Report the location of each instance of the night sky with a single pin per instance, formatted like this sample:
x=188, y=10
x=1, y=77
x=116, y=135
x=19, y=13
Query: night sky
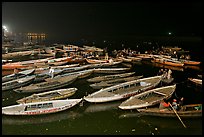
x=76, y=20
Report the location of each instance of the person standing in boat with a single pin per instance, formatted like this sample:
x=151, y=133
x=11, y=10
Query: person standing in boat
x=51, y=72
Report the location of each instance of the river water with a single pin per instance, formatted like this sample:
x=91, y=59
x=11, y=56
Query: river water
x=106, y=118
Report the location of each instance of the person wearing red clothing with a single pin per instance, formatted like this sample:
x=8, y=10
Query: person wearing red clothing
x=164, y=105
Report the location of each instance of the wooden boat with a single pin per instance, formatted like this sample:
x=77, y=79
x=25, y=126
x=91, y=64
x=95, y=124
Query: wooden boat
x=123, y=90
x=16, y=54
x=49, y=95
x=104, y=84
x=129, y=60
x=45, y=69
x=167, y=66
x=53, y=84
x=95, y=61
x=196, y=81
x=134, y=58
x=73, y=69
x=38, y=108
x=98, y=65
x=79, y=74
x=13, y=66
x=109, y=77
x=169, y=62
x=44, y=75
x=190, y=62
x=127, y=65
x=188, y=111
x=17, y=83
x=20, y=74
x=57, y=63
x=148, y=98
x=110, y=70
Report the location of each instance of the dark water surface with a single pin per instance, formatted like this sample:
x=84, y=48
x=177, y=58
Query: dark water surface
x=106, y=118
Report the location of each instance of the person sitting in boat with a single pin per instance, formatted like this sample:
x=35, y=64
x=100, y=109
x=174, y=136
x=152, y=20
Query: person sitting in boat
x=160, y=72
x=15, y=71
x=169, y=74
x=165, y=73
x=174, y=104
x=163, y=105
x=111, y=61
x=180, y=103
x=51, y=72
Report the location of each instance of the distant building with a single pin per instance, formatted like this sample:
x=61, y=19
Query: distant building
x=36, y=38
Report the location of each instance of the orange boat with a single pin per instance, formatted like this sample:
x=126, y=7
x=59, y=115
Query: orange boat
x=191, y=63
x=13, y=66
x=168, y=62
x=176, y=64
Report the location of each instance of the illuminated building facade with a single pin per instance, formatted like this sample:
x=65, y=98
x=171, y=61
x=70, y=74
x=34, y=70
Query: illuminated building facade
x=36, y=37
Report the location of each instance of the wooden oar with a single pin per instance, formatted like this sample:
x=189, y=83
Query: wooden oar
x=178, y=116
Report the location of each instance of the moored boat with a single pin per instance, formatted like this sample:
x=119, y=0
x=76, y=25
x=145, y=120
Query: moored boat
x=187, y=111
x=196, y=81
x=109, y=77
x=17, y=83
x=49, y=95
x=52, y=84
x=123, y=90
x=20, y=74
x=148, y=98
x=104, y=84
x=38, y=108
x=110, y=70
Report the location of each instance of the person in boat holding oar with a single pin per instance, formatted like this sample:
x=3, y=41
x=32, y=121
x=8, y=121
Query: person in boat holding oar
x=175, y=104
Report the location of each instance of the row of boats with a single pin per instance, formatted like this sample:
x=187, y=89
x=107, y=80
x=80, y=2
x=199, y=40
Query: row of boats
x=137, y=90
x=140, y=92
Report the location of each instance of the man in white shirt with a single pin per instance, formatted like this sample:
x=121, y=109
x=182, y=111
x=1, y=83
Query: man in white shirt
x=51, y=72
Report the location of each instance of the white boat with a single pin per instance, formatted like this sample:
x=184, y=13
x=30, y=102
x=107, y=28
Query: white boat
x=39, y=108
x=109, y=77
x=55, y=83
x=196, y=81
x=20, y=74
x=79, y=74
x=123, y=90
x=104, y=84
x=148, y=98
x=110, y=70
x=17, y=83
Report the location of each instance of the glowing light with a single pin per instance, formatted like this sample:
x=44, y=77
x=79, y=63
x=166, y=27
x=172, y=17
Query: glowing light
x=169, y=33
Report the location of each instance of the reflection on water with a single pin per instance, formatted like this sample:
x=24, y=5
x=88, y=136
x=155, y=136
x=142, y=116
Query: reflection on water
x=102, y=107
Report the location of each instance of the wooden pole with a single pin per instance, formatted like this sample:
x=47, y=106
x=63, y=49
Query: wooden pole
x=178, y=116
